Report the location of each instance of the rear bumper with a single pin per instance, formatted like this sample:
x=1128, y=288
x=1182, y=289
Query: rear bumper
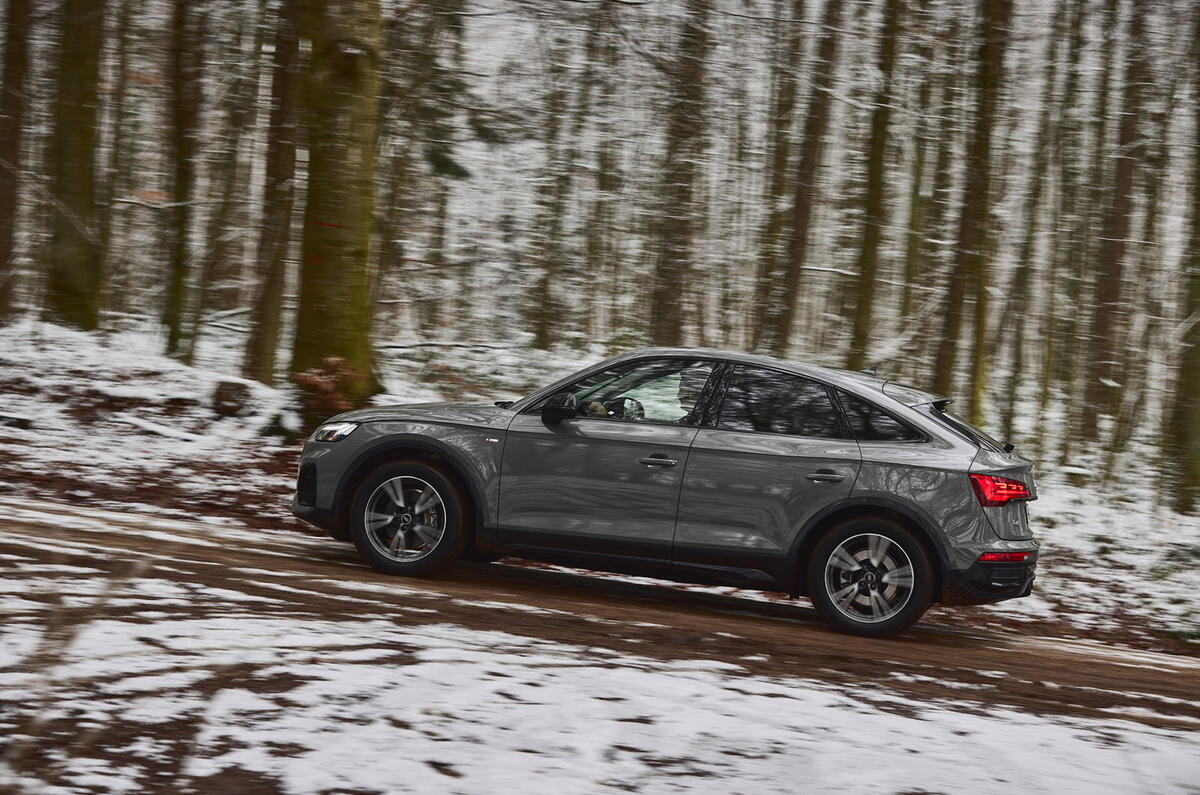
x=988, y=582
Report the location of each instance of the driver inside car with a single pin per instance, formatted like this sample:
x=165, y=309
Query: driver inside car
x=691, y=384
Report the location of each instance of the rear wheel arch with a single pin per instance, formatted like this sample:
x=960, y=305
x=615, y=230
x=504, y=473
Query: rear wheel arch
x=409, y=450
x=808, y=538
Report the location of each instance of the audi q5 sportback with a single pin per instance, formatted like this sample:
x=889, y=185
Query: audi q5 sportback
x=870, y=498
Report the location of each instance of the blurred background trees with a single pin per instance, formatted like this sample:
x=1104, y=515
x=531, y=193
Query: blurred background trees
x=993, y=199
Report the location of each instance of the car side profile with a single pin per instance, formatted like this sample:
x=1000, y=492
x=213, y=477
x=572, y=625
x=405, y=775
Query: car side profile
x=872, y=499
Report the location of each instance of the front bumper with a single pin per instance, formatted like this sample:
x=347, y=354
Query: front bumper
x=989, y=582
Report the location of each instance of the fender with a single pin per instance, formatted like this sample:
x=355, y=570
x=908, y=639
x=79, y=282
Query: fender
x=398, y=442
x=869, y=500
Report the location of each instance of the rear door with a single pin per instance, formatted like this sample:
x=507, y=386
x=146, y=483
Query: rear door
x=608, y=480
x=777, y=452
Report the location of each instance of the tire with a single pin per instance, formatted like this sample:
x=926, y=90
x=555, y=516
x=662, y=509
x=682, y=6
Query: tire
x=408, y=518
x=857, y=577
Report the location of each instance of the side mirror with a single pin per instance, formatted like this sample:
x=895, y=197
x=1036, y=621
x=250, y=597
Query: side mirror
x=559, y=407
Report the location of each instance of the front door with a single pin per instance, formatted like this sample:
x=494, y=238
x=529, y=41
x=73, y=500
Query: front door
x=606, y=481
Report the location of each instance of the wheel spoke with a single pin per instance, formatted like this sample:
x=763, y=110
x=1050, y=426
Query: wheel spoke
x=398, y=544
x=878, y=606
x=395, y=491
x=426, y=501
x=843, y=560
x=377, y=520
x=902, y=577
x=430, y=535
x=846, y=595
x=878, y=547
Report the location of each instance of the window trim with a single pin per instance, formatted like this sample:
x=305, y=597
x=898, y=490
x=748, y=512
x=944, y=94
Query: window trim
x=727, y=379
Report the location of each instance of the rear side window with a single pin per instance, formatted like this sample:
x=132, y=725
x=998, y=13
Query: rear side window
x=870, y=423
x=767, y=401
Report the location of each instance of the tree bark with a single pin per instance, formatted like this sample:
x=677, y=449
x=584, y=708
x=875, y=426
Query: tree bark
x=278, y=197
x=914, y=247
x=1014, y=318
x=1103, y=370
x=220, y=262
x=780, y=314
x=12, y=116
x=75, y=267
x=680, y=174
x=769, y=284
x=554, y=185
x=1184, y=433
x=970, y=266
x=342, y=113
x=868, y=259
x=185, y=84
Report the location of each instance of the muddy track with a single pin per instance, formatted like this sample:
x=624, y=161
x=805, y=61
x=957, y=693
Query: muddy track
x=315, y=578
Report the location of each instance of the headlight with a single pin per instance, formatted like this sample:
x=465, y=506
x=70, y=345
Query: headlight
x=334, y=431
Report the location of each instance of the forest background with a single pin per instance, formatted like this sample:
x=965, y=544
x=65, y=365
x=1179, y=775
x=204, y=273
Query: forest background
x=996, y=200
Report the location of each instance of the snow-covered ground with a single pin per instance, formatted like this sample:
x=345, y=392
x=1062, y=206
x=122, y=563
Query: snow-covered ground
x=128, y=670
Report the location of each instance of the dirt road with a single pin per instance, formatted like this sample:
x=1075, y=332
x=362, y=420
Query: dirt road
x=70, y=573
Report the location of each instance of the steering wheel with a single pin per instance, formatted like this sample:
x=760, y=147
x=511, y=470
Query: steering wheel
x=625, y=408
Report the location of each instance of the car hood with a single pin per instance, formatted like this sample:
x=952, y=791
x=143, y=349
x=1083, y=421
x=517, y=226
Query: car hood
x=455, y=413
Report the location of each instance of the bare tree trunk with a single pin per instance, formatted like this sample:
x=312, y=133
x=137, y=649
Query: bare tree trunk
x=777, y=326
x=185, y=83
x=1014, y=317
x=278, y=196
x=680, y=174
x=552, y=198
x=116, y=162
x=970, y=266
x=1102, y=371
x=12, y=117
x=1080, y=278
x=914, y=247
x=785, y=63
x=75, y=260
x=868, y=259
x=1057, y=333
x=1183, y=435
x=342, y=114
x=240, y=103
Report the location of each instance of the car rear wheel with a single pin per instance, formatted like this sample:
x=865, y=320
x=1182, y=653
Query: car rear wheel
x=407, y=518
x=870, y=576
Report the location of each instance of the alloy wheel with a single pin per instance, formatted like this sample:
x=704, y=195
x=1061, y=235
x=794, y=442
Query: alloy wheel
x=869, y=578
x=405, y=518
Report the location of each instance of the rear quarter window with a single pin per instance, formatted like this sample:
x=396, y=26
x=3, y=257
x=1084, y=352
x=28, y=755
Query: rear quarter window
x=870, y=423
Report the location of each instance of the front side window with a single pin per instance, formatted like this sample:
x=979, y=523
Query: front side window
x=768, y=401
x=654, y=390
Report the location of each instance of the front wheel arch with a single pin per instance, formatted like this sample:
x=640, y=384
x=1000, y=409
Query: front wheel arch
x=408, y=450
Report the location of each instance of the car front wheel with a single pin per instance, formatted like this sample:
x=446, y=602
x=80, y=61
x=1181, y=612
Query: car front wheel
x=870, y=576
x=407, y=518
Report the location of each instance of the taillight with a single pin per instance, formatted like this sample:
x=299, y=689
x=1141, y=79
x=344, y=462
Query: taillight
x=994, y=491
x=1006, y=557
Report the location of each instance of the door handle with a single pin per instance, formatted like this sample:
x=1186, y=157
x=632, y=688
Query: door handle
x=658, y=461
x=825, y=476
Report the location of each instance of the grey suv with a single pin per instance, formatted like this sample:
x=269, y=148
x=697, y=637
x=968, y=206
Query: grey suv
x=870, y=498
